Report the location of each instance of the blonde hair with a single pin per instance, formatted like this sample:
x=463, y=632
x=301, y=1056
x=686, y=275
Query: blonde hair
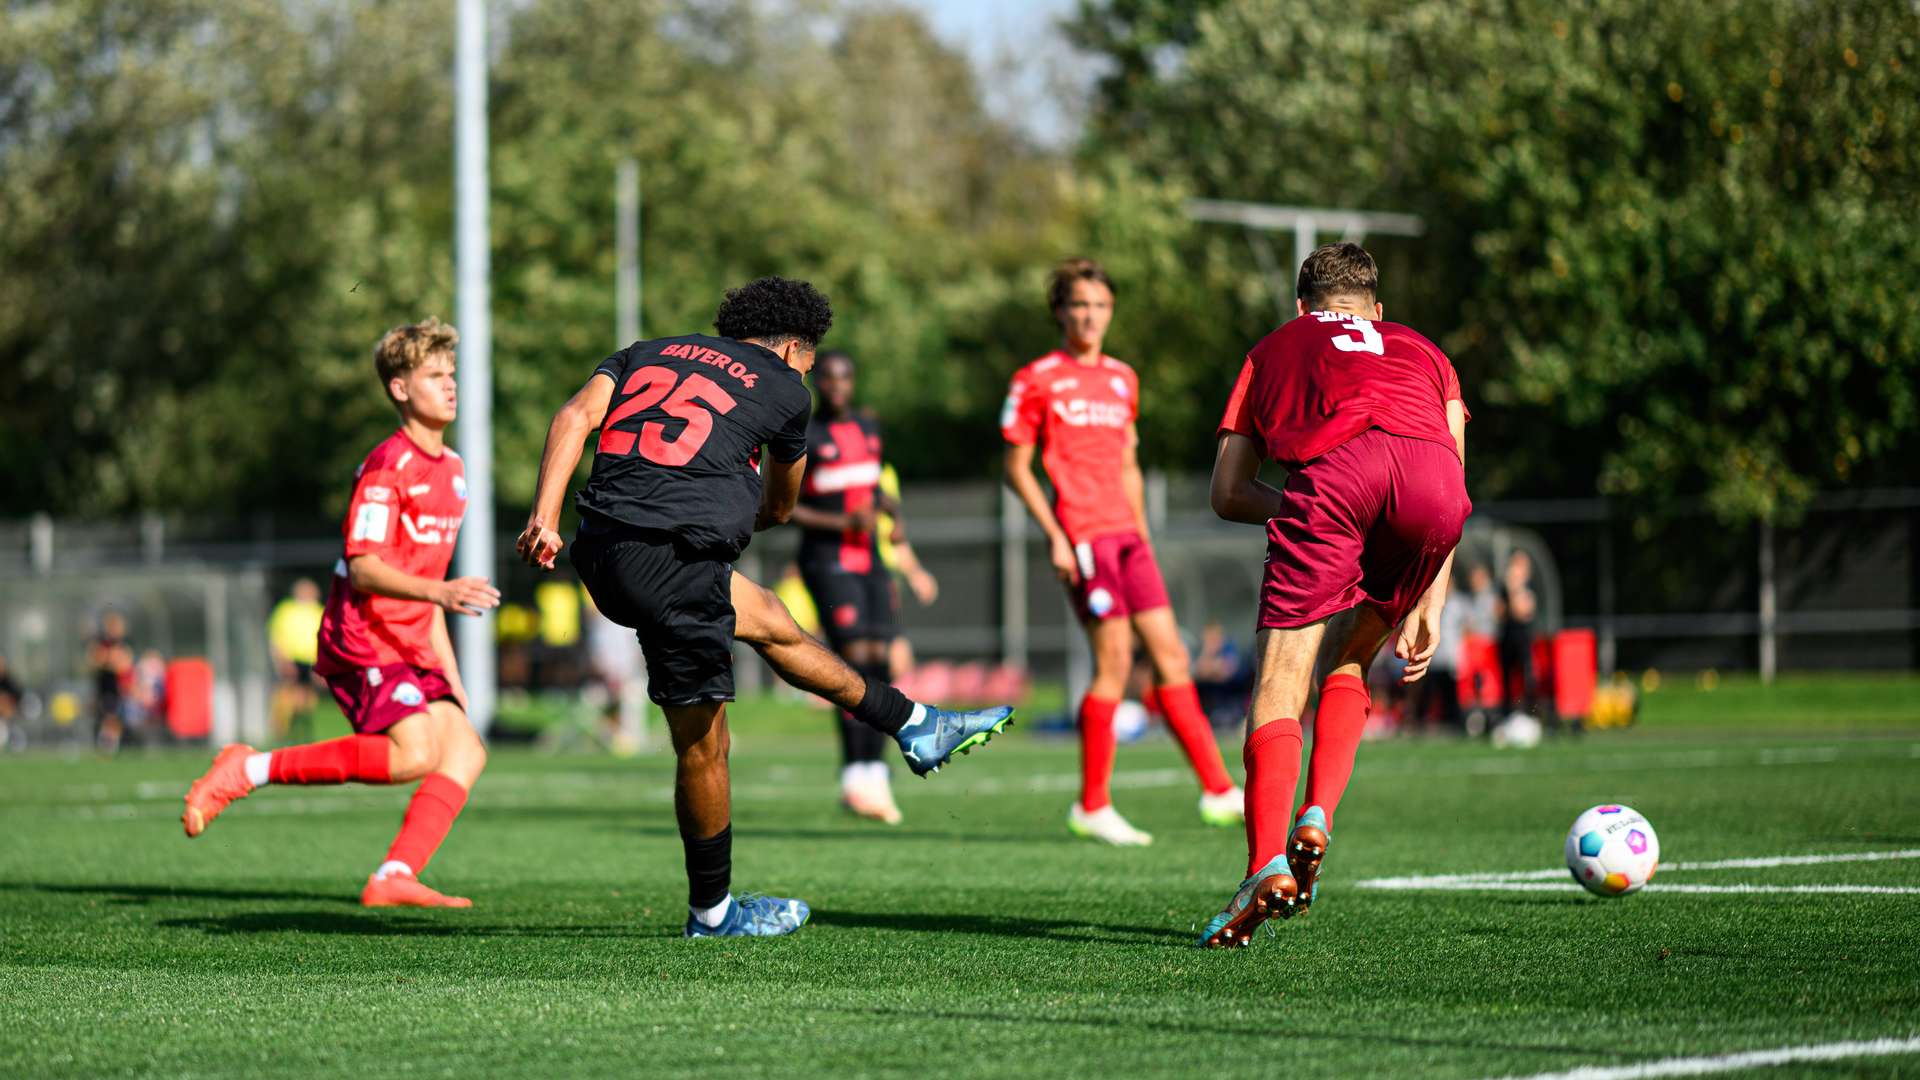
x=404, y=348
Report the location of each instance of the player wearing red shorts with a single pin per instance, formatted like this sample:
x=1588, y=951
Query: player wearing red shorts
x=1079, y=405
x=1368, y=418
x=384, y=648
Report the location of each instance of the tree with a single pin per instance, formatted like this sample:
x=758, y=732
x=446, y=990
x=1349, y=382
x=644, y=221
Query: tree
x=1665, y=240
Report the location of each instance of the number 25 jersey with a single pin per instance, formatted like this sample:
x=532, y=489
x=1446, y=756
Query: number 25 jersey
x=679, y=450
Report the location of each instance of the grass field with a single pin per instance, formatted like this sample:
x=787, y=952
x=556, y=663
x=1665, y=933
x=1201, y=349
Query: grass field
x=977, y=939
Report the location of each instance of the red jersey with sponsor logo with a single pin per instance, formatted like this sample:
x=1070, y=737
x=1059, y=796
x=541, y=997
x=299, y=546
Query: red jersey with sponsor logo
x=1327, y=376
x=1080, y=414
x=406, y=508
x=843, y=475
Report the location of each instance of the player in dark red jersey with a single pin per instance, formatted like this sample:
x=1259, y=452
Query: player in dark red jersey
x=384, y=648
x=1368, y=417
x=840, y=504
x=677, y=491
x=1079, y=405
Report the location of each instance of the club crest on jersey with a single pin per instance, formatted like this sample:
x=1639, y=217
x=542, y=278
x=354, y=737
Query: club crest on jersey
x=460, y=486
x=408, y=694
x=828, y=452
x=1119, y=385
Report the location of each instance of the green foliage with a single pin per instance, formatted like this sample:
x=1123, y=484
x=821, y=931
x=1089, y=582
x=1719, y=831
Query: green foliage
x=1667, y=241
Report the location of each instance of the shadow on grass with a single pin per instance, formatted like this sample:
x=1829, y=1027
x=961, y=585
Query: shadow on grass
x=146, y=894
x=1013, y=926
x=1266, y=1033
x=391, y=924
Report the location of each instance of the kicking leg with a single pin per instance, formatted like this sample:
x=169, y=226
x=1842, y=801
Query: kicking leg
x=927, y=736
x=702, y=805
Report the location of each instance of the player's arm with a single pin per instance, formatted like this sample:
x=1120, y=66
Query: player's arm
x=780, y=492
x=442, y=643
x=1238, y=493
x=812, y=517
x=369, y=573
x=1019, y=476
x=1419, y=636
x=583, y=413
x=1133, y=482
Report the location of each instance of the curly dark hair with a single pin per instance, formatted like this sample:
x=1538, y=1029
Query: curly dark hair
x=774, y=310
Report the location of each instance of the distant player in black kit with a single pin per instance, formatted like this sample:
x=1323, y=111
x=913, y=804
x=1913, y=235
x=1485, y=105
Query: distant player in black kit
x=675, y=494
x=840, y=502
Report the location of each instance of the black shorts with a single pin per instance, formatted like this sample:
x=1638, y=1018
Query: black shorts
x=853, y=607
x=678, y=600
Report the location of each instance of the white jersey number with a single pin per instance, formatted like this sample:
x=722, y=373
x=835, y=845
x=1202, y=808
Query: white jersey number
x=1369, y=339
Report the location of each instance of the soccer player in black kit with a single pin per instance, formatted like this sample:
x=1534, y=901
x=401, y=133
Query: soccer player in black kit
x=677, y=490
x=840, y=502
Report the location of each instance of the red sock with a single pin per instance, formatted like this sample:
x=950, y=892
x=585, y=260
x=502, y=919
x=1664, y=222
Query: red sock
x=358, y=758
x=1337, y=725
x=1096, y=751
x=1189, y=725
x=436, y=802
x=1273, y=768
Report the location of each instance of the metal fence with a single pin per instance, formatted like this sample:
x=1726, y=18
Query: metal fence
x=1839, y=588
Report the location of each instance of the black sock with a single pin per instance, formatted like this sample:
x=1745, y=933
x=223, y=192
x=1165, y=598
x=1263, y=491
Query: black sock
x=884, y=709
x=855, y=737
x=709, y=867
x=875, y=745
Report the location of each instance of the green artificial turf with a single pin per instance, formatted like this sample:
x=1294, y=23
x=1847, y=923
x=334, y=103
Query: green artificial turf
x=977, y=939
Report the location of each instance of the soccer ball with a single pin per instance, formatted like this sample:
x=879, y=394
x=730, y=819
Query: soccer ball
x=1612, y=850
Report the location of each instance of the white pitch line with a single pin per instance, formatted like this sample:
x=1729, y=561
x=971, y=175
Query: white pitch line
x=1532, y=880
x=1752, y=1059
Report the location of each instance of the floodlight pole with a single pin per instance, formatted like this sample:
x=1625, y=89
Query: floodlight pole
x=626, y=286
x=474, y=634
x=1305, y=222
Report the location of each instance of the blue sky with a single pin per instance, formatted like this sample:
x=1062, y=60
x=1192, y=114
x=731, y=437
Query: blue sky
x=1019, y=35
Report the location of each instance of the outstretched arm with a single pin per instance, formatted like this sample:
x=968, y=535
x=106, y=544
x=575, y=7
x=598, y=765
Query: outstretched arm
x=462, y=596
x=1237, y=493
x=540, y=541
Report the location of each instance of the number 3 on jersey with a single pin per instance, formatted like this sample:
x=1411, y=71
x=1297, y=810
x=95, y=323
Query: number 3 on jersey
x=1369, y=339
x=656, y=385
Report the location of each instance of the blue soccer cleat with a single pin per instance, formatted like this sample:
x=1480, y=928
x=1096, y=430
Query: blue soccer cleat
x=755, y=916
x=1306, y=848
x=928, y=743
x=1270, y=892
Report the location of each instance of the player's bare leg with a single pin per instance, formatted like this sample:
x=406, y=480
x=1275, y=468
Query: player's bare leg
x=440, y=749
x=1221, y=801
x=702, y=806
x=927, y=736
x=1093, y=815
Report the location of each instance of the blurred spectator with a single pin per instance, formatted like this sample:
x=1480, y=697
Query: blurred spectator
x=111, y=662
x=1223, y=675
x=1517, y=609
x=293, y=634
x=9, y=706
x=1482, y=615
x=147, y=697
x=1437, y=697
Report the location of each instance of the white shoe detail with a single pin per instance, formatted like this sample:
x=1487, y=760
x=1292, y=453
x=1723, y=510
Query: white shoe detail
x=1106, y=824
x=1229, y=803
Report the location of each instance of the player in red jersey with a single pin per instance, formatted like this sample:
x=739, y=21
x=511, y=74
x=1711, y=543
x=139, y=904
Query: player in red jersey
x=1079, y=405
x=1367, y=416
x=384, y=648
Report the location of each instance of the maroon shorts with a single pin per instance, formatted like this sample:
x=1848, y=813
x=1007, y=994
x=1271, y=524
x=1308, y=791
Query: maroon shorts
x=1118, y=577
x=1369, y=522
x=376, y=698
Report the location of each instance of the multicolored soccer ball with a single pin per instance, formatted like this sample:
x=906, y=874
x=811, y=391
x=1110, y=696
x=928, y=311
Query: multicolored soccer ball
x=1612, y=850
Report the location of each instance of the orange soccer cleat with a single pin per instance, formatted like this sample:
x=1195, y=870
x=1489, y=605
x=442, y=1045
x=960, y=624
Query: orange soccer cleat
x=405, y=890
x=223, y=782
